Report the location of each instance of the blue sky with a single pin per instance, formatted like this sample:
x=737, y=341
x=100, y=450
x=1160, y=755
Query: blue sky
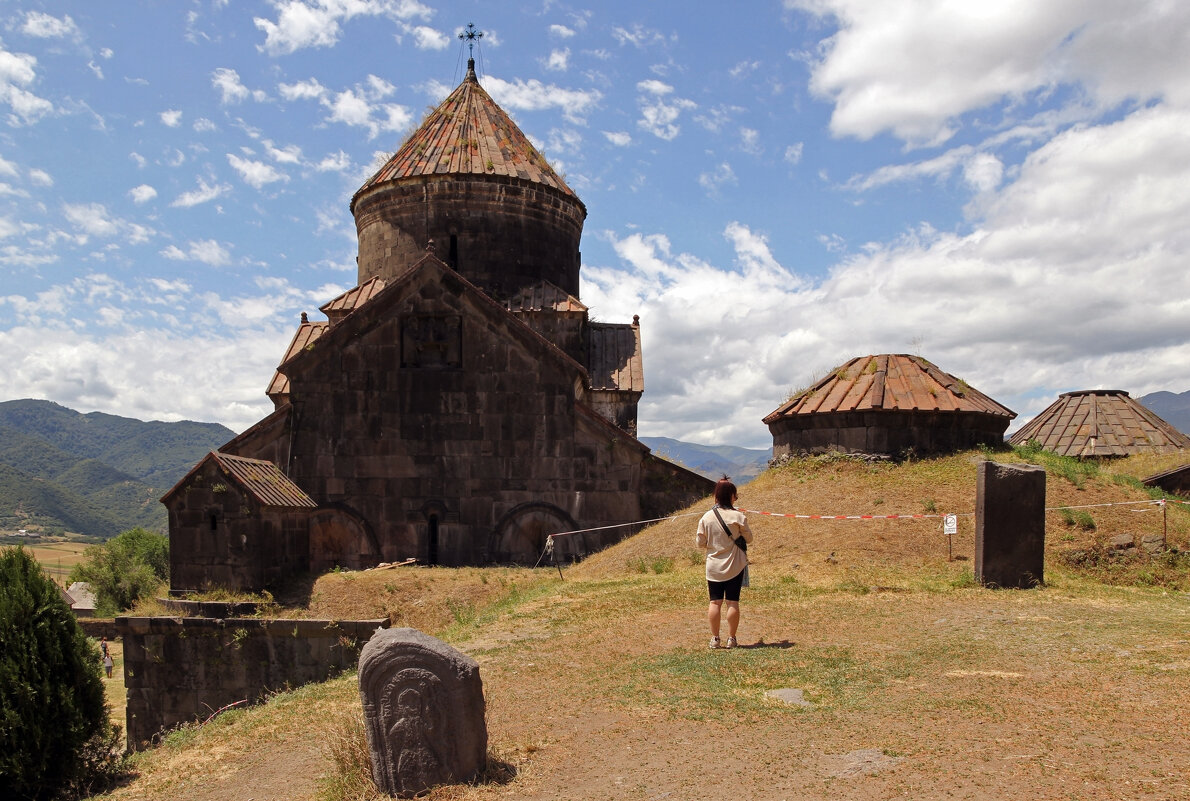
x=775, y=188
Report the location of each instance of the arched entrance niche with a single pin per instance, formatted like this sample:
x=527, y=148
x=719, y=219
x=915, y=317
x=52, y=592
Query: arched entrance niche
x=519, y=537
x=341, y=538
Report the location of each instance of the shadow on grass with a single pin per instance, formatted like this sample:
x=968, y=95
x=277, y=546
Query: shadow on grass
x=777, y=644
x=498, y=771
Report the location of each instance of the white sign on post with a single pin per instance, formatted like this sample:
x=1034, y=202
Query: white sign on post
x=950, y=524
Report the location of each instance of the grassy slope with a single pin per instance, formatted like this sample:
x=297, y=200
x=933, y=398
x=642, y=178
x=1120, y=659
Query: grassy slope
x=982, y=693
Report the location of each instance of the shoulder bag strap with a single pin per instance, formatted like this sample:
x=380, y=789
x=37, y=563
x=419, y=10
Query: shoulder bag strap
x=719, y=517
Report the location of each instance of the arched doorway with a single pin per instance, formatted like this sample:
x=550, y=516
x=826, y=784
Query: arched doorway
x=519, y=537
x=340, y=538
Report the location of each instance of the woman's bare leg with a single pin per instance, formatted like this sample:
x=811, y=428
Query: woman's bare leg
x=733, y=618
x=713, y=617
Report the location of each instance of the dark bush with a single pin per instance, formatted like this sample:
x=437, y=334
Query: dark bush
x=51, y=691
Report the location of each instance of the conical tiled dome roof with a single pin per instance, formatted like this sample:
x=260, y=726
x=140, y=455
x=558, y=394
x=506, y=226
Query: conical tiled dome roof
x=892, y=404
x=1100, y=422
x=468, y=134
x=889, y=382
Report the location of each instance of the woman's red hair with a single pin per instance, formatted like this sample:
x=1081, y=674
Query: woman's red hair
x=725, y=492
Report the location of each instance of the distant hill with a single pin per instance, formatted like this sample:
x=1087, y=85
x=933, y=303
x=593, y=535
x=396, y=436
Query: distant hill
x=1170, y=407
x=713, y=461
x=95, y=474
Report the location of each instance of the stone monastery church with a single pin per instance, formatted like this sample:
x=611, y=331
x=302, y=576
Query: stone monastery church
x=457, y=406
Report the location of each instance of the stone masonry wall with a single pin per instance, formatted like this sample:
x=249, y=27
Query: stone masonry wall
x=508, y=233
x=886, y=432
x=181, y=669
x=456, y=445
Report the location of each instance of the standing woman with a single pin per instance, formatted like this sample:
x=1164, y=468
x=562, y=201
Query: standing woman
x=720, y=532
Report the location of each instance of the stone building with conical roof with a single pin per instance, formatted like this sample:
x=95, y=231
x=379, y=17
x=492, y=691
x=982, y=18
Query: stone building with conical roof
x=458, y=405
x=1100, y=423
x=890, y=404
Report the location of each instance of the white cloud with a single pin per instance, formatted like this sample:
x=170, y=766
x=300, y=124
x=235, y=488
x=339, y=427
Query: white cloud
x=256, y=173
x=655, y=87
x=361, y=106
x=618, y=138
x=43, y=26
x=317, y=23
x=426, y=38
x=91, y=218
x=533, y=95
x=638, y=36
x=982, y=171
x=133, y=372
x=40, y=178
x=207, y=251
x=171, y=118
x=721, y=176
x=561, y=31
x=793, y=153
x=17, y=71
x=750, y=141
x=659, y=116
x=231, y=90
x=881, y=68
x=558, y=60
x=203, y=125
x=290, y=154
x=302, y=90
x=203, y=194
x=142, y=194
x=335, y=162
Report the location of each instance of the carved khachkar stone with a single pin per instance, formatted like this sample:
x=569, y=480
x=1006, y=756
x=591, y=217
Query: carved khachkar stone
x=1010, y=525
x=423, y=712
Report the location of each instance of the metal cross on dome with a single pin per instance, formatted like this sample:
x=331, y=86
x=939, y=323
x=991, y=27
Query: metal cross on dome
x=470, y=35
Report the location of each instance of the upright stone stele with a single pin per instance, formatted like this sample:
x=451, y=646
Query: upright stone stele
x=423, y=712
x=1010, y=525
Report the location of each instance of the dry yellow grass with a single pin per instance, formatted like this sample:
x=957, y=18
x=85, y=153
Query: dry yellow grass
x=599, y=685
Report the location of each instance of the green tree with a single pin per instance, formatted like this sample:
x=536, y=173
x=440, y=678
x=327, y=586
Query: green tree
x=124, y=569
x=52, y=707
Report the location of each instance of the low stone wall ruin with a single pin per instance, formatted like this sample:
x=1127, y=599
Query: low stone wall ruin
x=181, y=669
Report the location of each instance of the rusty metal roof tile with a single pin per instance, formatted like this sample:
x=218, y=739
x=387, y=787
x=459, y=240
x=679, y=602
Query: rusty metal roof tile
x=888, y=382
x=305, y=336
x=615, y=361
x=349, y=301
x=264, y=481
x=544, y=297
x=1100, y=422
x=468, y=134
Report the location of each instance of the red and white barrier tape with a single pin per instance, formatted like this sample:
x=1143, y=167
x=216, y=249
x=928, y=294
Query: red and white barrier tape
x=1158, y=502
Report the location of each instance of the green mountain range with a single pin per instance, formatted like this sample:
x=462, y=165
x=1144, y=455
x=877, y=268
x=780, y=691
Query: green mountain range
x=94, y=474
x=713, y=461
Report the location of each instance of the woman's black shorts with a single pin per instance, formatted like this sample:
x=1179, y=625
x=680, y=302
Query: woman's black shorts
x=726, y=590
